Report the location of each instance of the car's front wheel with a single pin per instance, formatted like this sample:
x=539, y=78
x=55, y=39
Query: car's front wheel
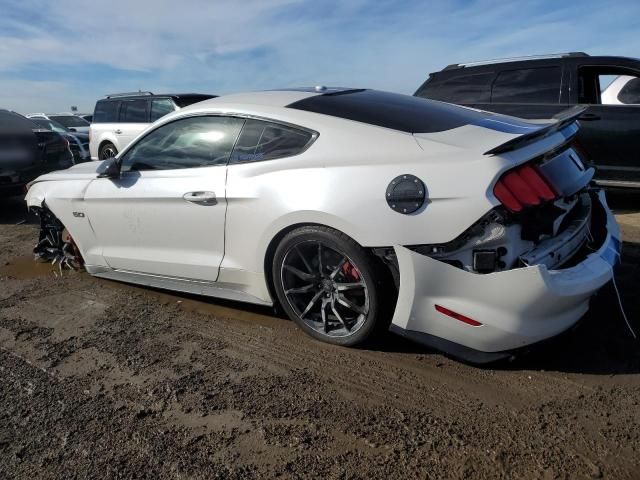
x=107, y=150
x=335, y=290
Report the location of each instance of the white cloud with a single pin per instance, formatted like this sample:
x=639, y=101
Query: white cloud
x=222, y=46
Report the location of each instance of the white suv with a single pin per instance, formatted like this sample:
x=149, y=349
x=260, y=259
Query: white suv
x=119, y=118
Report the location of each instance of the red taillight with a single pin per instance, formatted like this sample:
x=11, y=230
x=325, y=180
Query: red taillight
x=537, y=182
x=507, y=198
x=457, y=316
x=523, y=186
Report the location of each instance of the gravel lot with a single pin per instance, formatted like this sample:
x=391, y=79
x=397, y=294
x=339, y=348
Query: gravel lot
x=104, y=380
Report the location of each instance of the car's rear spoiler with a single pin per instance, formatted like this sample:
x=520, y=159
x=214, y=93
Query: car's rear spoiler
x=563, y=119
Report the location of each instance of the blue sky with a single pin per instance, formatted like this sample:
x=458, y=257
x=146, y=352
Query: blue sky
x=54, y=54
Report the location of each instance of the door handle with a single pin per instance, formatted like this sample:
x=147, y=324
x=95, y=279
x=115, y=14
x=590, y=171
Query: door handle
x=118, y=132
x=589, y=117
x=202, y=198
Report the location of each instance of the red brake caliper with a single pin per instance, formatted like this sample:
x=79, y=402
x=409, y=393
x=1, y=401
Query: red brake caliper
x=350, y=271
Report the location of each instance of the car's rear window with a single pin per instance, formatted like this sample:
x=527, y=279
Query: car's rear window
x=391, y=110
x=13, y=122
x=70, y=120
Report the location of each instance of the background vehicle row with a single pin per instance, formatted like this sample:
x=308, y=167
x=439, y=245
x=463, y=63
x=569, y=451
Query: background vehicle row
x=541, y=87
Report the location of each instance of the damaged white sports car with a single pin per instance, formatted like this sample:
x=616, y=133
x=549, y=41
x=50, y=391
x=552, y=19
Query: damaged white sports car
x=355, y=210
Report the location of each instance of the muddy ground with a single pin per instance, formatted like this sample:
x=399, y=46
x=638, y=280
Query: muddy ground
x=104, y=380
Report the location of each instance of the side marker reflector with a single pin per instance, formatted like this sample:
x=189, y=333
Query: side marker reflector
x=457, y=316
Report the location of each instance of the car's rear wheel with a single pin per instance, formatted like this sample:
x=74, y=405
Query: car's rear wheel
x=107, y=150
x=335, y=290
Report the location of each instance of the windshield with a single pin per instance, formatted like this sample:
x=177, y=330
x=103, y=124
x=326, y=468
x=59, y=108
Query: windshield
x=50, y=125
x=70, y=120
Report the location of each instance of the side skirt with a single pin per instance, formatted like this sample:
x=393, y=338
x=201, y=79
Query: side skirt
x=197, y=287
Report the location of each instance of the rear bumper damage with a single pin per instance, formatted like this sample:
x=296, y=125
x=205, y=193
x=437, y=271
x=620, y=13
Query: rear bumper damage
x=509, y=309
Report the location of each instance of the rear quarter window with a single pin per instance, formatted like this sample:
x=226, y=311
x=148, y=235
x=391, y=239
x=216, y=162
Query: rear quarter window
x=530, y=85
x=261, y=140
x=106, y=111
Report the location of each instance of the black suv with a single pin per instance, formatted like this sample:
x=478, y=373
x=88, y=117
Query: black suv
x=539, y=87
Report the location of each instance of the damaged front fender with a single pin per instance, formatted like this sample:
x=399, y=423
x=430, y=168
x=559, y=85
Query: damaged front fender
x=55, y=244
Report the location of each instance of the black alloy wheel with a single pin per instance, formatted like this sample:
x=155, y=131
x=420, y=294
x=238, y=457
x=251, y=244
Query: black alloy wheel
x=330, y=286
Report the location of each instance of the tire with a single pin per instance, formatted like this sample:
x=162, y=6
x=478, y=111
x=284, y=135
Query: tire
x=107, y=150
x=351, y=285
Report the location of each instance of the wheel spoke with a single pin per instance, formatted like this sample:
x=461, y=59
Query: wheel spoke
x=304, y=260
x=351, y=306
x=335, y=312
x=311, y=303
x=320, y=258
x=299, y=273
x=323, y=312
x=338, y=267
x=349, y=286
x=304, y=289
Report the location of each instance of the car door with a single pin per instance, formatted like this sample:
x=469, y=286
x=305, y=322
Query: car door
x=610, y=133
x=165, y=215
x=134, y=118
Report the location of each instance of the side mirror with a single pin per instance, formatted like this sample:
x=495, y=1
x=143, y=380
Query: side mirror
x=110, y=168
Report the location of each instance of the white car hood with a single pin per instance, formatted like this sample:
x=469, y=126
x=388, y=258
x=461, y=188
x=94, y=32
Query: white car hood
x=81, y=171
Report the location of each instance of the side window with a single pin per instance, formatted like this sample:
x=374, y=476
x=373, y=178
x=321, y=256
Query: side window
x=620, y=89
x=185, y=143
x=464, y=89
x=106, y=111
x=160, y=107
x=134, y=111
x=607, y=85
x=531, y=85
x=630, y=92
x=262, y=140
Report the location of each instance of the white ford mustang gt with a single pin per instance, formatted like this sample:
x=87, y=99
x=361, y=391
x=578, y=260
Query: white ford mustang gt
x=355, y=210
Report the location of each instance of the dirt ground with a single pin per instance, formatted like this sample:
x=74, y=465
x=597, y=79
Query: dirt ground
x=104, y=380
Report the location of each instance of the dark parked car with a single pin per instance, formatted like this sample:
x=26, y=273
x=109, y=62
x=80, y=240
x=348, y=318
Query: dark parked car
x=78, y=142
x=27, y=152
x=542, y=86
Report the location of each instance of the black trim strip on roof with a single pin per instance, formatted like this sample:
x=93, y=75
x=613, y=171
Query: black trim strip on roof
x=391, y=110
